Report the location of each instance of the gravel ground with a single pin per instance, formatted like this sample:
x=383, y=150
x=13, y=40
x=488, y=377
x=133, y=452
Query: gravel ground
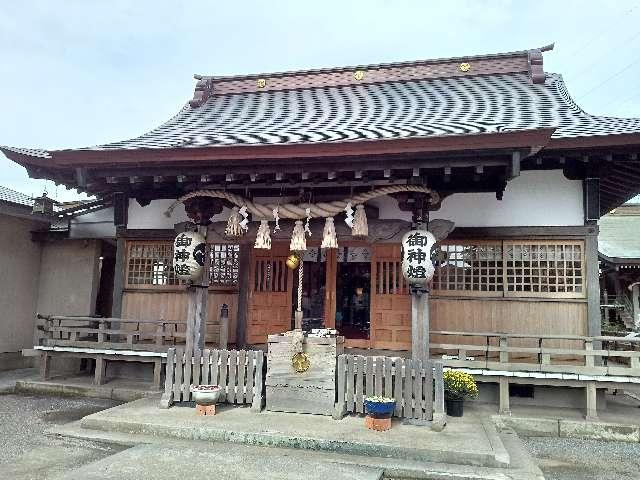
x=572, y=459
x=25, y=453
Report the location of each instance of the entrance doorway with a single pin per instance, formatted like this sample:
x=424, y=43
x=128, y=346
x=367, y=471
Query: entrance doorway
x=353, y=293
x=336, y=291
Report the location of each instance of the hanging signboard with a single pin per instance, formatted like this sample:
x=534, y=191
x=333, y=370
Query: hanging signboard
x=417, y=266
x=188, y=255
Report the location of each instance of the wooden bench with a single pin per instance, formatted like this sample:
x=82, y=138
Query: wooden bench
x=551, y=360
x=111, y=339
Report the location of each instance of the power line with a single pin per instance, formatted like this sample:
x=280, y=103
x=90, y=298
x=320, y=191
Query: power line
x=595, y=62
x=602, y=32
x=606, y=80
x=625, y=100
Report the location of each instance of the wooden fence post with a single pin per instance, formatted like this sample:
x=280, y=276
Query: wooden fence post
x=258, y=387
x=167, y=397
x=224, y=326
x=439, y=415
x=341, y=405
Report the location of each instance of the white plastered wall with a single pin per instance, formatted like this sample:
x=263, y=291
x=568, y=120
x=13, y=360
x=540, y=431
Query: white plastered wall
x=535, y=198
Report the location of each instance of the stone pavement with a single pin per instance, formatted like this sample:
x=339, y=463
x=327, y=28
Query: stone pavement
x=161, y=457
x=619, y=422
x=471, y=440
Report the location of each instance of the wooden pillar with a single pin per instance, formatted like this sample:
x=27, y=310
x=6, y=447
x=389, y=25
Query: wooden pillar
x=118, y=278
x=101, y=370
x=635, y=290
x=591, y=395
x=504, y=409
x=199, y=210
x=45, y=366
x=244, y=265
x=198, y=295
x=593, y=282
x=419, y=324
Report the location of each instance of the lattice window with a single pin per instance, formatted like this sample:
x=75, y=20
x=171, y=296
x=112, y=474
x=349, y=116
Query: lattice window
x=270, y=276
x=515, y=268
x=544, y=269
x=224, y=265
x=389, y=278
x=150, y=263
x=469, y=269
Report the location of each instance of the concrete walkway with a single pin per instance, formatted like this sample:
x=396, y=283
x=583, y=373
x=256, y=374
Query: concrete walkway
x=620, y=421
x=471, y=440
x=119, y=389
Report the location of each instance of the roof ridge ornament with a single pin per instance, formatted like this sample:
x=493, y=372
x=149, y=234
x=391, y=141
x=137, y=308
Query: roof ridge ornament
x=204, y=90
x=536, y=69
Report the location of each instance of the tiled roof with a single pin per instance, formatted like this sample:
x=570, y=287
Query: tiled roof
x=619, y=236
x=11, y=196
x=399, y=109
x=455, y=96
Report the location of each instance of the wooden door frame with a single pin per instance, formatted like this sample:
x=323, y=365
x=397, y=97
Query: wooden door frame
x=352, y=342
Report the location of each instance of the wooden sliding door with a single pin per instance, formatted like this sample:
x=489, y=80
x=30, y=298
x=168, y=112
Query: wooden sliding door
x=270, y=293
x=390, y=300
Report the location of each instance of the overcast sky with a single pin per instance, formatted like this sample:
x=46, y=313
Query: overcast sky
x=79, y=73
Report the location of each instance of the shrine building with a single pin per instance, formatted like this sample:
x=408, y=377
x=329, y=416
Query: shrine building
x=490, y=151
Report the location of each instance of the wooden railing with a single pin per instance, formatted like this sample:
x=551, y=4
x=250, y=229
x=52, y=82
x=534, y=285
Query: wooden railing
x=238, y=372
x=570, y=354
x=409, y=382
x=118, y=333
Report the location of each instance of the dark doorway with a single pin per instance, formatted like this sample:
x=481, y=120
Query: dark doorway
x=313, y=289
x=104, y=298
x=353, y=293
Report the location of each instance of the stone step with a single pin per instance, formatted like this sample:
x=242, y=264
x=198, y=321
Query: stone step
x=162, y=458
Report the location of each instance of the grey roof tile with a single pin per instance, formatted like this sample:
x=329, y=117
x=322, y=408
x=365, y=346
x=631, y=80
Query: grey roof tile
x=394, y=109
x=11, y=196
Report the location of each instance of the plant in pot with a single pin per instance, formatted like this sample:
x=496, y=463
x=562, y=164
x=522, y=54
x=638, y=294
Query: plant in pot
x=379, y=412
x=458, y=386
x=206, y=398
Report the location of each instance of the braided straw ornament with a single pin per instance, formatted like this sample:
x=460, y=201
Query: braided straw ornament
x=298, y=211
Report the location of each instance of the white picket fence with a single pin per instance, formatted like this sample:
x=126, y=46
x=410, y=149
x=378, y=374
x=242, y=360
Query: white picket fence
x=238, y=372
x=416, y=388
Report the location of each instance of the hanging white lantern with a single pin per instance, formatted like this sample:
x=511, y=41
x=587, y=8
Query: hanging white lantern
x=298, y=239
x=234, y=229
x=417, y=266
x=263, y=237
x=360, y=227
x=189, y=250
x=329, y=239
